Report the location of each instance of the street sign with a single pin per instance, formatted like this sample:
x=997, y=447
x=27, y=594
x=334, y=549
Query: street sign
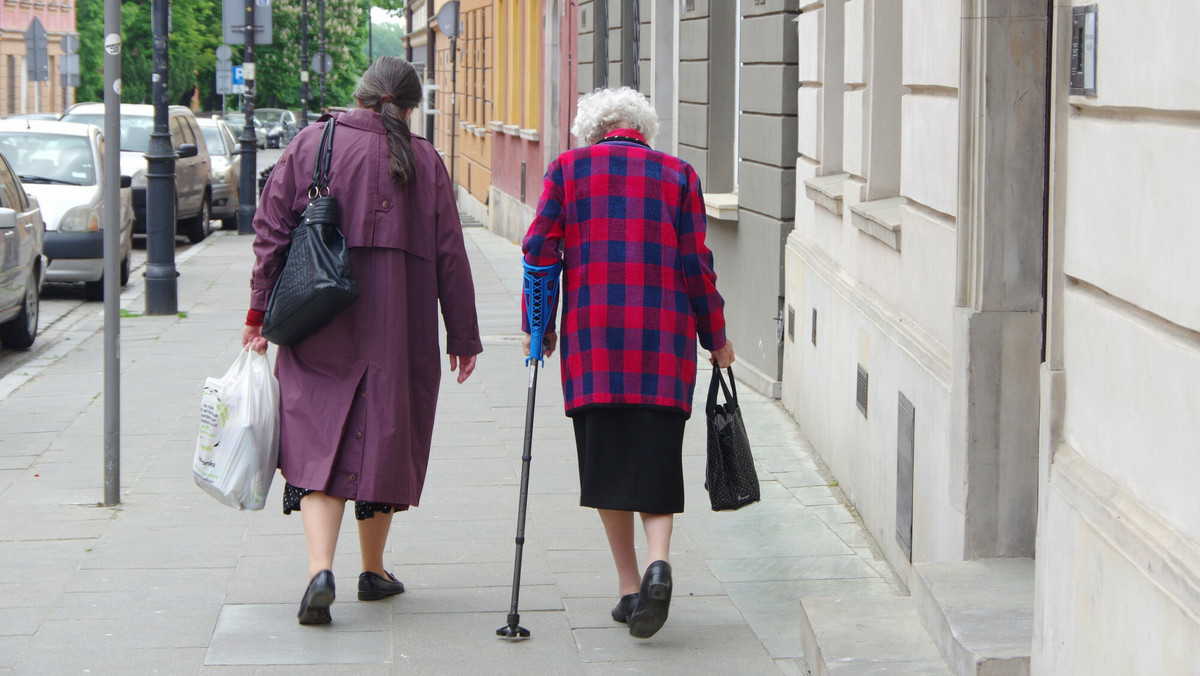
x=69, y=43
x=238, y=80
x=224, y=52
x=224, y=72
x=322, y=65
x=234, y=20
x=37, y=57
x=68, y=68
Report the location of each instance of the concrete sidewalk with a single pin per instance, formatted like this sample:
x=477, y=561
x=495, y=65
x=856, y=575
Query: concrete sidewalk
x=172, y=582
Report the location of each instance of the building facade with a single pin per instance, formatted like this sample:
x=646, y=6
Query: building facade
x=982, y=340
x=18, y=92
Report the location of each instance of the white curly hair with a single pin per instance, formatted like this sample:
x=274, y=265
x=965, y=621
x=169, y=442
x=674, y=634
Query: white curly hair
x=607, y=109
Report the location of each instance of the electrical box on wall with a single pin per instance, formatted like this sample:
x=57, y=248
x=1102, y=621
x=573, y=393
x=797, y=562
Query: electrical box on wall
x=1083, y=50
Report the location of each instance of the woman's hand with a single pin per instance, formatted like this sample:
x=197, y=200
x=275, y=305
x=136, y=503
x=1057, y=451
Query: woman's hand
x=252, y=337
x=549, y=341
x=464, y=365
x=724, y=356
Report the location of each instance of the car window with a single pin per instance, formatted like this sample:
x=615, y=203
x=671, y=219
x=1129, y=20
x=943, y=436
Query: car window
x=230, y=142
x=135, y=130
x=214, y=139
x=177, y=138
x=268, y=117
x=50, y=158
x=192, y=130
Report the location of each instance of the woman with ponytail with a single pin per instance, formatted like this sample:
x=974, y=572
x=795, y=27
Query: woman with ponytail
x=358, y=396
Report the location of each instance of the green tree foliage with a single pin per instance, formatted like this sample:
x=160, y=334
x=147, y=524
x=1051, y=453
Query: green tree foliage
x=388, y=40
x=196, y=33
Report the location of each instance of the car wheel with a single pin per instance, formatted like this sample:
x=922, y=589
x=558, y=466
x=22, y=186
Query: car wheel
x=18, y=333
x=94, y=290
x=125, y=265
x=197, y=226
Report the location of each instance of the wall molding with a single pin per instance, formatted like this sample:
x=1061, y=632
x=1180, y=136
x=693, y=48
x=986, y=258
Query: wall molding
x=903, y=331
x=1167, y=557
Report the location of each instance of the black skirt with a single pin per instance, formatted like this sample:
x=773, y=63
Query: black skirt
x=630, y=458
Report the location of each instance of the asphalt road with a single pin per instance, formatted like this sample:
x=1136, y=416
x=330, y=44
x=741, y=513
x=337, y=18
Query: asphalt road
x=63, y=304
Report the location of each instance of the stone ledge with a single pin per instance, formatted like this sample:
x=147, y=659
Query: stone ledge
x=512, y=129
x=496, y=126
x=826, y=191
x=979, y=613
x=866, y=635
x=531, y=135
x=722, y=206
x=879, y=219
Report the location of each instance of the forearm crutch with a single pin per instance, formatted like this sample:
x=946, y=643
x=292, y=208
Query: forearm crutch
x=541, y=293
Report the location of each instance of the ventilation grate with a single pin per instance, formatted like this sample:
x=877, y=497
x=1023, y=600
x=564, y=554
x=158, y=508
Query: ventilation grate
x=861, y=391
x=814, y=327
x=791, y=324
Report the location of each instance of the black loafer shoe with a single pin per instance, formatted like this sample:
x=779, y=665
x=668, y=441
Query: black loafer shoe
x=624, y=607
x=653, y=602
x=373, y=586
x=314, y=607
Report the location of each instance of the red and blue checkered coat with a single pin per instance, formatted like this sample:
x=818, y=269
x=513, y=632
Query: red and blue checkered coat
x=638, y=280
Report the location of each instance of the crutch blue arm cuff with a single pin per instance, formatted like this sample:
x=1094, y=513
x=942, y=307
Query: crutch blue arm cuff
x=541, y=298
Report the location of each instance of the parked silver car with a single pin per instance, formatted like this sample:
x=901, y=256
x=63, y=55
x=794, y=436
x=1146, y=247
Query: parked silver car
x=21, y=269
x=226, y=169
x=60, y=163
x=192, y=164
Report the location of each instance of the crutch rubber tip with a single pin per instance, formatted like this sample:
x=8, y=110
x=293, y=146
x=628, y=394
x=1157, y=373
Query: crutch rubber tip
x=512, y=632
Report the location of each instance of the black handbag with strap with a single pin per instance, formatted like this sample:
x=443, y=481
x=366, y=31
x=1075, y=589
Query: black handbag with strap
x=730, y=478
x=316, y=282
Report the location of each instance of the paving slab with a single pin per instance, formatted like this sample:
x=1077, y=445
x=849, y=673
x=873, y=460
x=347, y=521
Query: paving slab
x=267, y=634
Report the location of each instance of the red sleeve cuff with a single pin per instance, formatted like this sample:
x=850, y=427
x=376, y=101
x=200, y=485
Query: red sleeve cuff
x=254, y=317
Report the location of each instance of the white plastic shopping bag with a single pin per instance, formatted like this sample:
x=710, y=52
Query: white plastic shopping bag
x=238, y=445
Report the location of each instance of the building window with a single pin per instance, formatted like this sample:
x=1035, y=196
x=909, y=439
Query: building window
x=518, y=69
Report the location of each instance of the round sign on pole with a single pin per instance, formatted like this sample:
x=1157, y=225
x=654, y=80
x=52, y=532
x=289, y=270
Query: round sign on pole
x=70, y=44
x=322, y=65
x=223, y=52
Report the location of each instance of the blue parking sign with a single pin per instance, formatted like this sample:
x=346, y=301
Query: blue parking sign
x=238, y=79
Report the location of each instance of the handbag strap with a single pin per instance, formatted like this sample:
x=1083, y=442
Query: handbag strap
x=320, y=180
x=730, y=390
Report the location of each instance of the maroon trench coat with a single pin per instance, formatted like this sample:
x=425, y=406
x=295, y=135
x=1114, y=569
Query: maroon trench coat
x=358, y=396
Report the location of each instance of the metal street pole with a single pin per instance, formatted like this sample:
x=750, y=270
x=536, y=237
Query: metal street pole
x=162, y=286
x=112, y=252
x=246, y=191
x=321, y=5
x=304, y=63
x=453, y=107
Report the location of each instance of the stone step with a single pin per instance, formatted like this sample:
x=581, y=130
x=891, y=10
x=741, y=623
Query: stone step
x=978, y=613
x=867, y=636
x=469, y=221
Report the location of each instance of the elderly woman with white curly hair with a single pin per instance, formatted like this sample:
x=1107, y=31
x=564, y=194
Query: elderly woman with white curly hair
x=628, y=223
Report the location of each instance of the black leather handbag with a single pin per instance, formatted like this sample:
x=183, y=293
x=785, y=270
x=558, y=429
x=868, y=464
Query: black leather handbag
x=730, y=478
x=316, y=282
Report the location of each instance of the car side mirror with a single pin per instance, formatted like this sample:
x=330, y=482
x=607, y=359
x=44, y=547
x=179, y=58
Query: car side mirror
x=235, y=152
x=126, y=181
x=187, y=150
x=8, y=219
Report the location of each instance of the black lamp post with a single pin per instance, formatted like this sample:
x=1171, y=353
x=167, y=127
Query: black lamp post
x=162, y=287
x=247, y=194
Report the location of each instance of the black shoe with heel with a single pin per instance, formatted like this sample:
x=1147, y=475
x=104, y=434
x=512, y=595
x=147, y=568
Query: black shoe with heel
x=373, y=586
x=653, y=601
x=314, y=607
x=624, y=607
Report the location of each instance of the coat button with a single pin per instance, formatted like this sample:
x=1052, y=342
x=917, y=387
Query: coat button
x=353, y=478
x=358, y=435
x=386, y=204
x=362, y=393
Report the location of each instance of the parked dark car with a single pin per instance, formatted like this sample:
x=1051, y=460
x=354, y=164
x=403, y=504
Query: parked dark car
x=193, y=191
x=279, y=124
x=237, y=122
x=22, y=235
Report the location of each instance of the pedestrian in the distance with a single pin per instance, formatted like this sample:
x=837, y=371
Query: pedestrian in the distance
x=358, y=396
x=628, y=223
